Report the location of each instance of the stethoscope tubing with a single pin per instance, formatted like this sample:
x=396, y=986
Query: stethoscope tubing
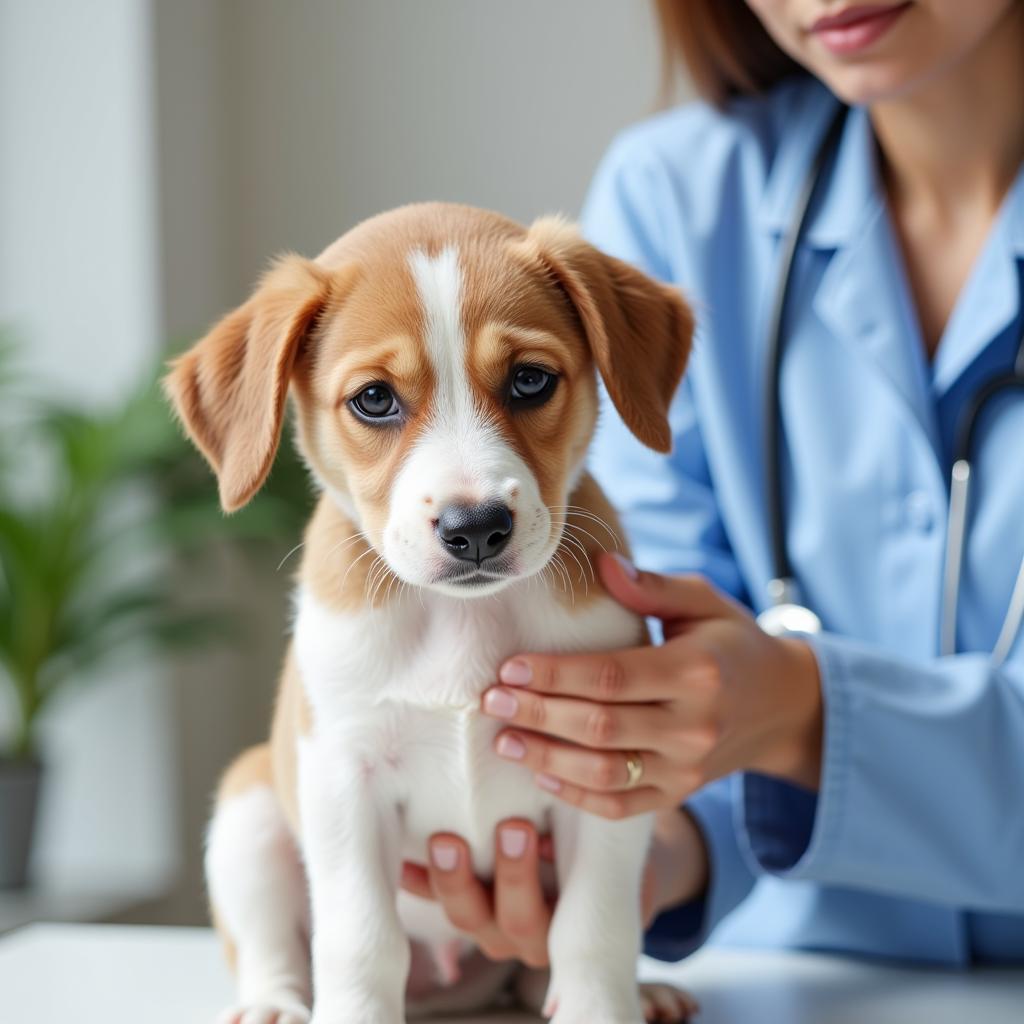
x=785, y=605
x=772, y=440
x=959, y=511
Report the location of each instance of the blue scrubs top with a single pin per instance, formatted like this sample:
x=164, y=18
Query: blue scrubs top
x=914, y=847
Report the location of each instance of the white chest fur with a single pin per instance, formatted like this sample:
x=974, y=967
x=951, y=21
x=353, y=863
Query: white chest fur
x=395, y=692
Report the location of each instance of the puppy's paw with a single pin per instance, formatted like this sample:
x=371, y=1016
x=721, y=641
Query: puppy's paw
x=667, y=1005
x=270, y=1011
x=586, y=1000
x=596, y=1015
x=359, y=1012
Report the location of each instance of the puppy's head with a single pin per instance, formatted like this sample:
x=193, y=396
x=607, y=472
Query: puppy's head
x=442, y=364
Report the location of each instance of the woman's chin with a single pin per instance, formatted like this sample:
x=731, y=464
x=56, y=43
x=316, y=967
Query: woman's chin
x=866, y=86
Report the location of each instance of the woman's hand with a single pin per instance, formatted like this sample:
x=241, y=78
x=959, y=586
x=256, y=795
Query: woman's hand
x=507, y=920
x=510, y=918
x=718, y=696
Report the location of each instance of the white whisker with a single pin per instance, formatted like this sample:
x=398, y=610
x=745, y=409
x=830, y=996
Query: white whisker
x=341, y=544
x=344, y=579
x=549, y=572
x=576, y=528
x=385, y=573
x=557, y=559
x=569, y=540
x=391, y=583
x=371, y=576
x=289, y=555
x=380, y=571
x=554, y=567
x=572, y=555
x=583, y=513
x=345, y=541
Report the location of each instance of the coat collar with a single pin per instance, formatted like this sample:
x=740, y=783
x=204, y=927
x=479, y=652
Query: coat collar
x=852, y=184
x=863, y=294
x=990, y=300
x=1015, y=215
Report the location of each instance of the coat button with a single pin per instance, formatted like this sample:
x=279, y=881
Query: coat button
x=919, y=511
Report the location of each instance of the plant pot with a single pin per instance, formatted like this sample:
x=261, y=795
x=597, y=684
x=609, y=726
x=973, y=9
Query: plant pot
x=19, y=797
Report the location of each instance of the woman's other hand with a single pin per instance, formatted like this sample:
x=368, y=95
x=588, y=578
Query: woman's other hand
x=718, y=696
x=509, y=918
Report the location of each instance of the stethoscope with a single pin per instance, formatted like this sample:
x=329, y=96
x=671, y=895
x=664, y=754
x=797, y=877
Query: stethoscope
x=786, y=612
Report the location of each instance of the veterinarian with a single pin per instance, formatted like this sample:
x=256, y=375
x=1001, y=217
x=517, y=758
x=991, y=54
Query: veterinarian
x=857, y=787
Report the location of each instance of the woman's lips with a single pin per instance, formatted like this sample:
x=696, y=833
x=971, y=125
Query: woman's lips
x=857, y=28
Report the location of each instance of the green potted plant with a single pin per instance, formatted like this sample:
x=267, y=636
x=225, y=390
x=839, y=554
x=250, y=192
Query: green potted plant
x=93, y=508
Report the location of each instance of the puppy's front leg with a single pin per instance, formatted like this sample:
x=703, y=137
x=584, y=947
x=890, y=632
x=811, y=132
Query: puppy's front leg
x=360, y=952
x=596, y=932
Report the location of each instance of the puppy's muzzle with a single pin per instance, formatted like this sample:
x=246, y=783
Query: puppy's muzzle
x=475, y=533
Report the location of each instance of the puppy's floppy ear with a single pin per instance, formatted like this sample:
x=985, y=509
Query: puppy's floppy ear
x=231, y=387
x=639, y=329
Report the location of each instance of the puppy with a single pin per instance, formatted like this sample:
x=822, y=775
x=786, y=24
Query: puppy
x=442, y=365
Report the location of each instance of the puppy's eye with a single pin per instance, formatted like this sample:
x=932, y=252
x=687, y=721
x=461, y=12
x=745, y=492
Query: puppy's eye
x=531, y=385
x=375, y=402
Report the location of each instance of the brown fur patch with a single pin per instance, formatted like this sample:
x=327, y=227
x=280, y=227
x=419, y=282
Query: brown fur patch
x=250, y=768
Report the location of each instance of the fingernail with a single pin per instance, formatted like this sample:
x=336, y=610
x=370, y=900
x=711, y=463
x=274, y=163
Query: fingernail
x=445, y=856
x=513, y=842
x=500, y=703
x=626, y=565
x=511, y=747
x=517, y=672
x=548, y=782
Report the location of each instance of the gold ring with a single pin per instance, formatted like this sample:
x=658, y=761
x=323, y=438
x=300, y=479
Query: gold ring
x=634, y=769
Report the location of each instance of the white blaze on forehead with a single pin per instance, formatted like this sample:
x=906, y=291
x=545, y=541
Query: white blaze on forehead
x=461, y=451
x=439, y=283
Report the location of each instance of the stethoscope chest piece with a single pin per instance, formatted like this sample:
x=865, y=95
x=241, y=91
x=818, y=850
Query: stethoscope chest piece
x=784, y=619
x=786, y=614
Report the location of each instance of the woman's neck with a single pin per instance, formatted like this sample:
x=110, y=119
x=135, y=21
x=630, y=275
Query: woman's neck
x=955, y=143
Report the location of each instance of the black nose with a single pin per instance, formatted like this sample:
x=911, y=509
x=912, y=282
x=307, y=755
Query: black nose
x=475, y=532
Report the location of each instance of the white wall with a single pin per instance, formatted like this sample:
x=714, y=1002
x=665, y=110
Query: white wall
x=78, y=265
x=194, y=133
x=343, y=108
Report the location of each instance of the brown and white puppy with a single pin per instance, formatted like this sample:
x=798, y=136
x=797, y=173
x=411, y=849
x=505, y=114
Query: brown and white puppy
x=442, y=364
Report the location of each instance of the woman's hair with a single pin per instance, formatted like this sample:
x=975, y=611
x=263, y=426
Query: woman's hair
x=723, y=47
